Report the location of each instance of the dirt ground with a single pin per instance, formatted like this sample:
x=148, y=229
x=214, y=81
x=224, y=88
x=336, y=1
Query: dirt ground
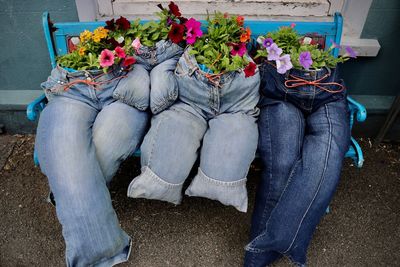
x=363, y=228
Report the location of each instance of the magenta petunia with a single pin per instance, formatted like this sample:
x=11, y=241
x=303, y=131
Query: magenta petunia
x=273, y=52
x=305, y=59
x=238, y=49
x=106, y=58
x=193, y=30
x=283, y=64
x=119, y=51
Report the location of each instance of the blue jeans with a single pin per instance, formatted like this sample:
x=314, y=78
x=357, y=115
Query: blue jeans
x=152, y=82
x=304, y=134
x=219, y=119
x=82, y=137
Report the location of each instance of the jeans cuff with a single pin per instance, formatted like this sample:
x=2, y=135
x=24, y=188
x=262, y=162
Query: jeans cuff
x=149, y=185
x=228, y=193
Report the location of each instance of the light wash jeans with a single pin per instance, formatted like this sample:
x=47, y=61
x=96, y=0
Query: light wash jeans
x=217, y=119
x=304, y=134
x=153, y=77
x=82, y=137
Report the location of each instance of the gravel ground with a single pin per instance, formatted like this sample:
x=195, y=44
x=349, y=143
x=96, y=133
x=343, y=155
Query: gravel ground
x=363, y=228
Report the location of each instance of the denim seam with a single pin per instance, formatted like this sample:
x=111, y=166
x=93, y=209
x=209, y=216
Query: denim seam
x=147, y=171
x=202, y=175
x=154, y=140
x=322, y=177
x=270, y=168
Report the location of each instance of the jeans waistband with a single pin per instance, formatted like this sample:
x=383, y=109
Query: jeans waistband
x=189, y=64
x=95, y=75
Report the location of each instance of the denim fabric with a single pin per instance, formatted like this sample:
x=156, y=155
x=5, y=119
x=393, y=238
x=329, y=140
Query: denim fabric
x=304, y=134
x=82, y=137
x=153, y=77
x=216, y=117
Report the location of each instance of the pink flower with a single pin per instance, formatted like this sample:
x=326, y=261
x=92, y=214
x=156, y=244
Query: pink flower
x=120, y=52
x=238, y=49
x=136, y=45
x=193, y=30
x=292, y=25
x=106, y=58
x=283, y=64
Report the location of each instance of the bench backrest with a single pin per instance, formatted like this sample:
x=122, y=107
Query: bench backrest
x=330, y=31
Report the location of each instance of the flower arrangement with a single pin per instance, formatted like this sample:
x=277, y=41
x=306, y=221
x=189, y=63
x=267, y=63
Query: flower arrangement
x=170, y=25
x=119, y=39
x=290, y=50
x=102, y=48
x=224, y=46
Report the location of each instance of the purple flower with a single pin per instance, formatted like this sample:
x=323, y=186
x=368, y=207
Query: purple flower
x=273, y=52
x=169, y=21
x=267, y=42
x=335, y=45
x=305, y=59
x=350, y=52
x=283, y=64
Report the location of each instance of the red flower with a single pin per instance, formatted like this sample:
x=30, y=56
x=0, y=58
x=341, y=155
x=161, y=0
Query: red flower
x=120, y=52
x=110, y=25
x=250, y=69
x=182, y=20
x=123, y=23
x=176, y=33
x=129, y=60
x=174, y=9
x=240, y=20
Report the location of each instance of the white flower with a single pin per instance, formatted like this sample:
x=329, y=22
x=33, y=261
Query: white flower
x=260, y=39
x=307, y=40
x=75, y=40
x=120, y=39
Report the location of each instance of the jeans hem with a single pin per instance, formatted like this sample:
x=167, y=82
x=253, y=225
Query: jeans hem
x=149, y=185
x=129, y=102
x=117, y=259
x=228, y=193
x=165, y=104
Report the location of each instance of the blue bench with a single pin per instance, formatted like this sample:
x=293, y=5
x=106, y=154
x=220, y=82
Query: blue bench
x=58, y=36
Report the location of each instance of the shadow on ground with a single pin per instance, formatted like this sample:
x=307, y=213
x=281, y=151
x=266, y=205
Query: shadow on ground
x=363, y=228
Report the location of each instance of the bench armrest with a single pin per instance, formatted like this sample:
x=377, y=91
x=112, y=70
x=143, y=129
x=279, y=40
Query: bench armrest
x=35, y=107
x=358, y=109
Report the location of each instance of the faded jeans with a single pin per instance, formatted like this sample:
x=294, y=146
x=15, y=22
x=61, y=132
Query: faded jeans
x=153, y=77
x=304, y=134
x=217, y=119
x=82, y=137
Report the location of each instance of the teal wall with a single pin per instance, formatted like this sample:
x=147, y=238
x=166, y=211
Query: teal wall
x=378, y=75
x=24, y=60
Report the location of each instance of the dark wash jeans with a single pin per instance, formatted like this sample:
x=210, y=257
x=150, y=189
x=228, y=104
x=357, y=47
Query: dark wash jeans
x=304, y=133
